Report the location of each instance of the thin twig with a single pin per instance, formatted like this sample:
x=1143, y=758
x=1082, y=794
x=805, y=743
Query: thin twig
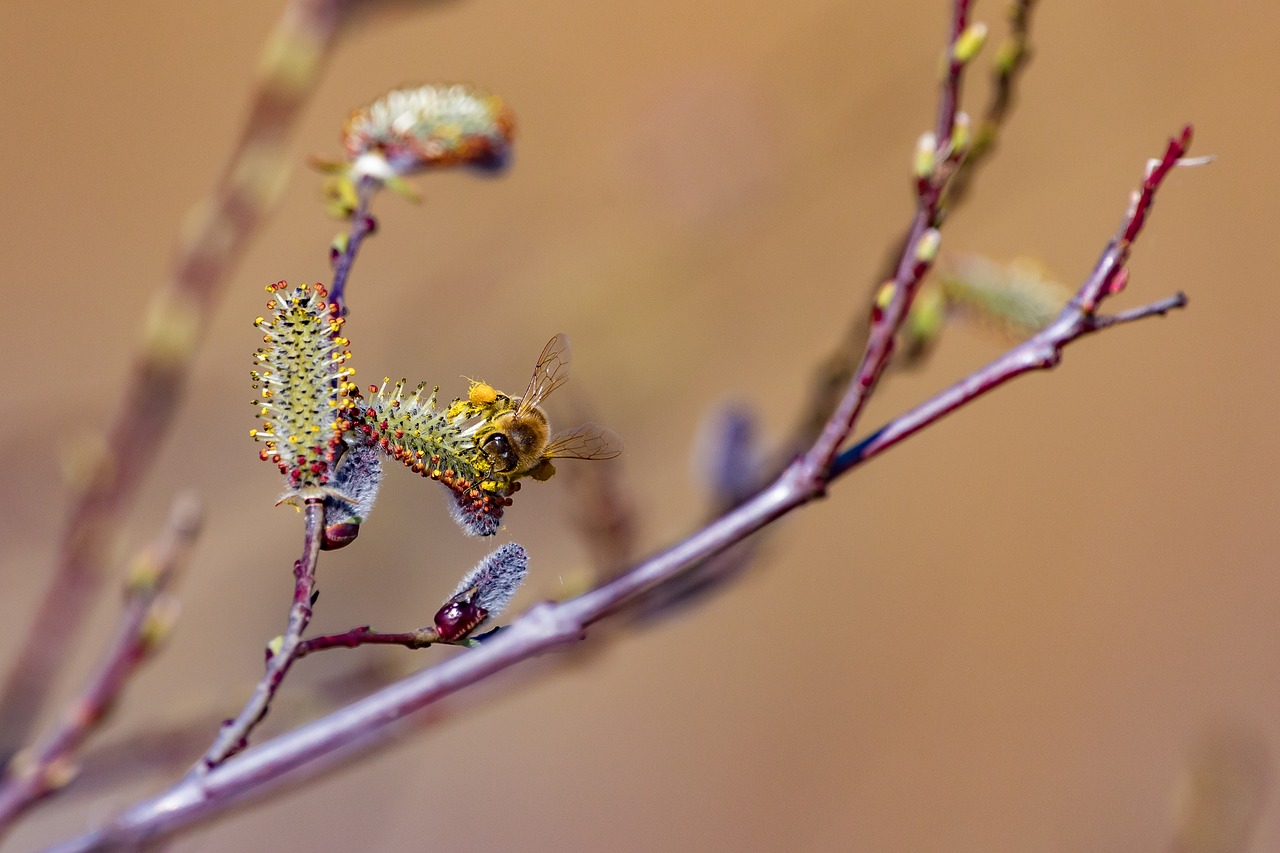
x=1155, y=309
x=548, y=625
x=1039, y=353
x=960, y=165
x=362, y=225
x=1011, y=61
x=234, y=735
x=837, y=370
x=912, y=265
x=49, y=765
x=225, y=222
x=1043, y=350
x=366, y=636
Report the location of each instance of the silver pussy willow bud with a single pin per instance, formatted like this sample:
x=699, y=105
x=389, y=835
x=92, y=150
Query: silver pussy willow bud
x=352, y=491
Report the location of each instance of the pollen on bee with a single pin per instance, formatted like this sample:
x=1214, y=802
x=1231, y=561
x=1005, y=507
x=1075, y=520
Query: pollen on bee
x=482, y=394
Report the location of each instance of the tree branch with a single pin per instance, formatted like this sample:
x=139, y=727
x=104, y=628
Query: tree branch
x=49, y=765
x=366, y=636
x=1044, y=350
x=234, y=735
x=546, y=625
x=937, y=159
x=837, y=371
x=224, y=223
x=362, y=225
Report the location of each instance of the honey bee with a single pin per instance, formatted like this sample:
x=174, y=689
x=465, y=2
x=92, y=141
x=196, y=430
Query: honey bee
x=521, y=442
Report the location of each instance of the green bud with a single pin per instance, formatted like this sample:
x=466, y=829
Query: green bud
x=926, y=155
x=170, y=332
x=159, y=623
x=927, y=247
x=961, y=132
x=1008, y=56
x=970, y=42
x=927, y=316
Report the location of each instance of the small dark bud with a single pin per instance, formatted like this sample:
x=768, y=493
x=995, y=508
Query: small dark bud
x=353, y=489
x=484, y=592
x=458, y=618
x=339, y=535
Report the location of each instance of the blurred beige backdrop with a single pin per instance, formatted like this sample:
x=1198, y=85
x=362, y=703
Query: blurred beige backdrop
x=1019, y=628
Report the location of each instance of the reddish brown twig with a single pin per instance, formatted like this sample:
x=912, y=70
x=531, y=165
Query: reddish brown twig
x=362, y=225
x=50, y=764
x=366, y=636
x=1044, y=349
x=234, y=735
x=223, y=224
x=918, y=252
x=1010, y=62
x=836, y=372
x=547, y=625
x=838, y=369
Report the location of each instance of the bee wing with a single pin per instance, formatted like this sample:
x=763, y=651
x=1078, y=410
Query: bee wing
x=551, y=371
x=589, y=441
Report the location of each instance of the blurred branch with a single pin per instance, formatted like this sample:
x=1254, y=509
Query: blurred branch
x=217, y=235
x=602, y=508
x=1011, y=61
x=735, y=475
x=548, y=625
x=1223, y=791
x=604, y=512
x=50, y=764
x=162, y=745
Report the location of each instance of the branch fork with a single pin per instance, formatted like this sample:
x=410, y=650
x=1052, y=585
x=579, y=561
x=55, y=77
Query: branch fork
x=217, y=781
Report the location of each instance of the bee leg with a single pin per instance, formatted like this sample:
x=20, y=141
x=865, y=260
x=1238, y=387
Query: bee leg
x=544, y=470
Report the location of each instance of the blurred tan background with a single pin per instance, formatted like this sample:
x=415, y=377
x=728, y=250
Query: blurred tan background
x=1020, y=629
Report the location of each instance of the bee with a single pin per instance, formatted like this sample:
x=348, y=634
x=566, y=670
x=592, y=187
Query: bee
x=520, y=441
